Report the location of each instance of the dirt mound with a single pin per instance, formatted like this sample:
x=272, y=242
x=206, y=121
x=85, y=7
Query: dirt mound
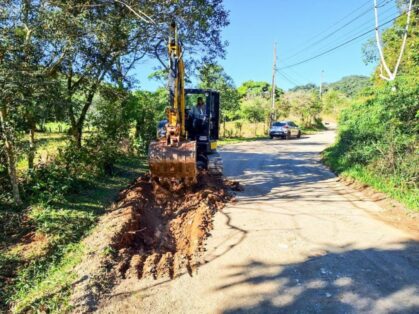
x=169, y=226
x=154, y=229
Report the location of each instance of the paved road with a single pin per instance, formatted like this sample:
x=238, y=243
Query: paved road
x=297, y=241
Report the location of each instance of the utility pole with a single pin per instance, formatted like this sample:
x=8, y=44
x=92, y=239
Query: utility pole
x=321, y=83
x=272, y=118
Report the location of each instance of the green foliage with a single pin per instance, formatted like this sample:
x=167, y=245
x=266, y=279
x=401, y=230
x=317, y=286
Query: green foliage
x=147, y=111
x=45, y=281
x=310, y=87
x=351, y=85
x=333, y=101
x=306, y=105
x=61, y=225
x=251, y=89
x=380, y=135
x=49, y=183
x=213, y=76
x=392, y=40
x=254, y=109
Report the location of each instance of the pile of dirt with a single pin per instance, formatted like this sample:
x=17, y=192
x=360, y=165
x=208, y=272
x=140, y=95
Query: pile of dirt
x=170, y=224
x=154, y=229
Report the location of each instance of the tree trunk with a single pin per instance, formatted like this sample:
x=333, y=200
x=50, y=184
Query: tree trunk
x=224, y=127
x=10, y=156
x=137, y=129
x=32, y=145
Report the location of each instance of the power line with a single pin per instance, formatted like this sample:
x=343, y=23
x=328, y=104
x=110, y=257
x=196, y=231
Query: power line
x=339, y=29
x=288, y=79
x=355, y=31
x=338, y=22
x=330, y=34
x=341, y=45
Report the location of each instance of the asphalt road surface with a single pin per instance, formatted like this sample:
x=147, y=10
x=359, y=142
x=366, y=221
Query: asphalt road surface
x=296, y=241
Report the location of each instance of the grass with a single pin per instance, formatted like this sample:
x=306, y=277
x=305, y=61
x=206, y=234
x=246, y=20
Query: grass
x=41, y=280
x=55, y=127
x=48, y=145
x=233, y=140
x=390, y=185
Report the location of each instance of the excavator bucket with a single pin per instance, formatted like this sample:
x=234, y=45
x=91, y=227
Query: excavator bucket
x=167, y=161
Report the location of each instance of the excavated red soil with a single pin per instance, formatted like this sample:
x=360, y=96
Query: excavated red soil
x=169, y=224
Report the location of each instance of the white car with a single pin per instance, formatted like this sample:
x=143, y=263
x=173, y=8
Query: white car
x=284, y=129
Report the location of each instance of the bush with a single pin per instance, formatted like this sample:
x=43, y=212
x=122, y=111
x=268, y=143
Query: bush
x=379, y=132
x=49, y=183
x=62, y=225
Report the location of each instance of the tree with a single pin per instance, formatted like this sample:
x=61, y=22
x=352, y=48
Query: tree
x=304, y=104
x=392, y=38
x=333, y=101
x=251, y=89
x=147, y=111
x=255, y=110
x=29, y=58
x=307, y=87
x=71, y=47
x=350, y=85
x=110, y=39
x=213, y=76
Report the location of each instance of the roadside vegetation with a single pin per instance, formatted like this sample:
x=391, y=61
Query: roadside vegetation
x=74, y=127
x=378, y=132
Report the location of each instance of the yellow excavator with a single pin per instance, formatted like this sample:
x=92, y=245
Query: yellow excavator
x=185, y=143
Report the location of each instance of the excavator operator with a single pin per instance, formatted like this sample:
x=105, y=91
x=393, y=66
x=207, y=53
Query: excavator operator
x=198, y=118
x=198, y=112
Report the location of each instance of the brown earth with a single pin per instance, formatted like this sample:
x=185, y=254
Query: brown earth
x=156, y=229
x=170, y=225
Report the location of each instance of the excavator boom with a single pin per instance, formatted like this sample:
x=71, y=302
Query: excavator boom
x=174, y=156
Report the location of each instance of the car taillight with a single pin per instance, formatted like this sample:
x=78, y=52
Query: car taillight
x=286, y=126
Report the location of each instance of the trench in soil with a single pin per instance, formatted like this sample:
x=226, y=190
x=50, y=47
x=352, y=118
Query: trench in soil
x=169, y=225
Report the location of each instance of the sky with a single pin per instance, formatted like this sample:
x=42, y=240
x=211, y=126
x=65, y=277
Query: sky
x=301, y=30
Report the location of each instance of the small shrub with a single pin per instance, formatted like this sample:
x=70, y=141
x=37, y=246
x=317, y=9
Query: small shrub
x=61, y=225
x=49, y=183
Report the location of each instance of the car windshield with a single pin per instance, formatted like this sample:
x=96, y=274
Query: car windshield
x=278, y=124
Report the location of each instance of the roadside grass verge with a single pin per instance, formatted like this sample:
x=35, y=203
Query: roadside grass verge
x=233, y=140
x=36, y=269
x=393, y=186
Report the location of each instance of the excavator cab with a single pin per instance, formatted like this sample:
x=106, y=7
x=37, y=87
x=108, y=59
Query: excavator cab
x=202, y=136
x=205, y=132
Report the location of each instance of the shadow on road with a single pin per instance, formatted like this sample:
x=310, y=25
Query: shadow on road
x=262, y=172
x=344, y=281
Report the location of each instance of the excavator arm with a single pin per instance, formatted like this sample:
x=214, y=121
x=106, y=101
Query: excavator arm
x=174, y=156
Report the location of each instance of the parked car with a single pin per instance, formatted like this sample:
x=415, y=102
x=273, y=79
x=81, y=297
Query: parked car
x=284, y=129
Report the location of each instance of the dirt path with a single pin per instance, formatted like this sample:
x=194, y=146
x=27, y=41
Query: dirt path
x=297, y=241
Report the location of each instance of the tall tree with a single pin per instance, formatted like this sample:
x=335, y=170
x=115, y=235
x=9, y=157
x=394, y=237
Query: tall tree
x=28, y=60
x=110, y=37
x=213, y=76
